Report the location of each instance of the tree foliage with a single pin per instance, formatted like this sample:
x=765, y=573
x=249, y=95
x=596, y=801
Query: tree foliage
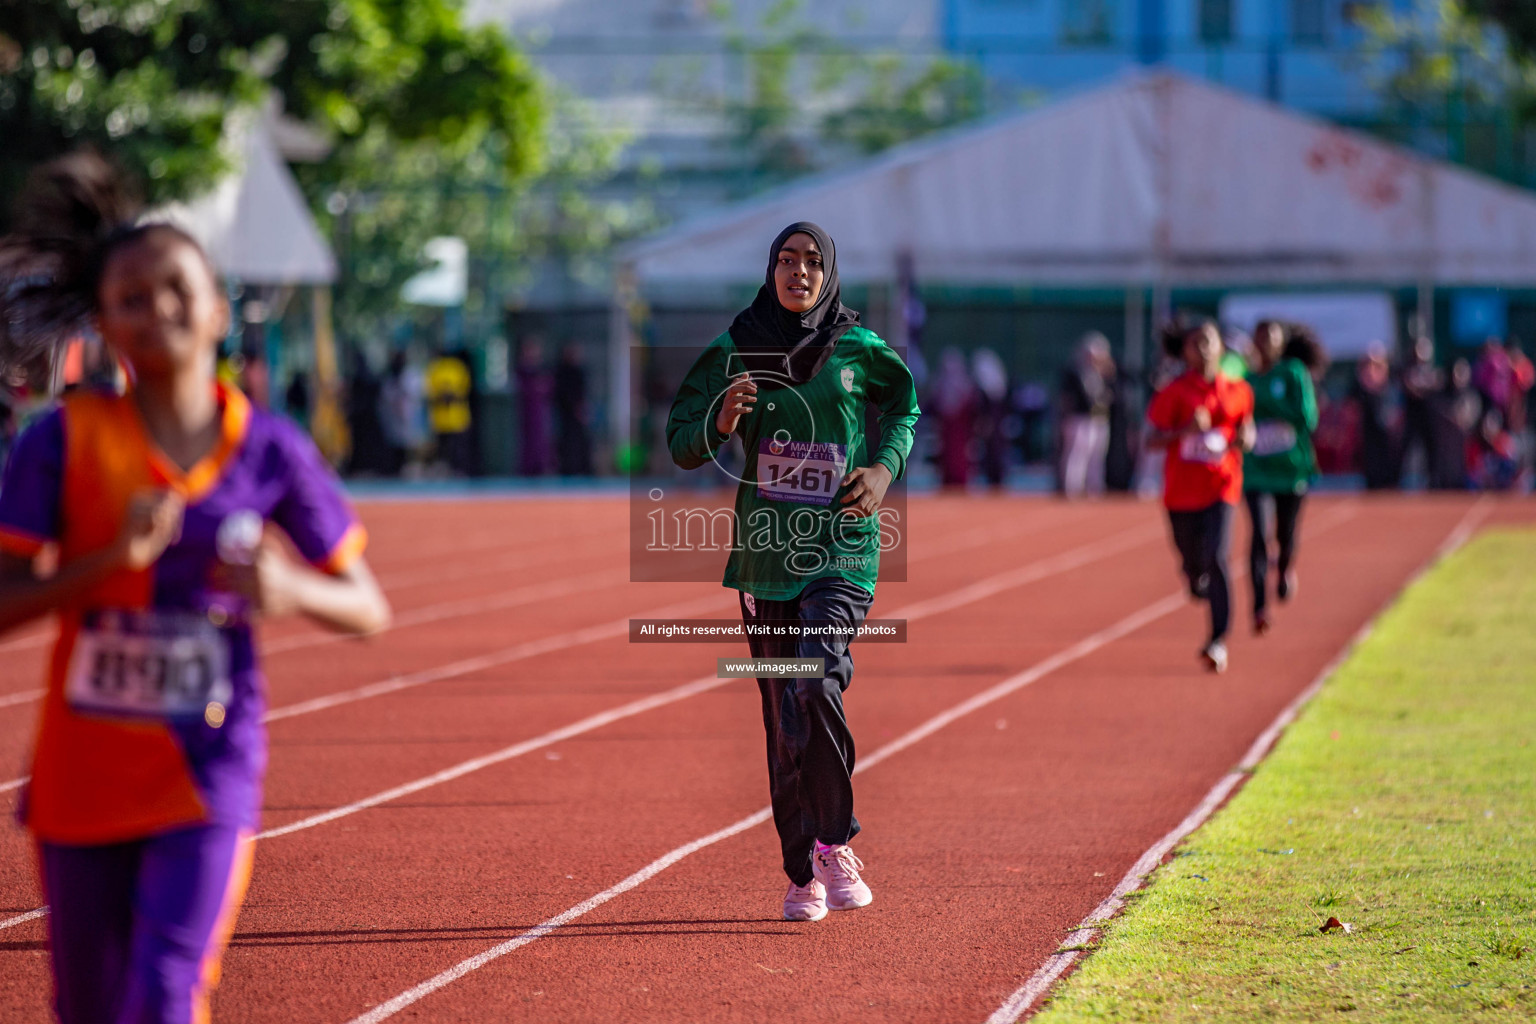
x=804, y=100
x=1516, y=17
x=152, y=81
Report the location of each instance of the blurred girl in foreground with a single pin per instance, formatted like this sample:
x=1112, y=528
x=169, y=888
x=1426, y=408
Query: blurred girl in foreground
x=146, y=776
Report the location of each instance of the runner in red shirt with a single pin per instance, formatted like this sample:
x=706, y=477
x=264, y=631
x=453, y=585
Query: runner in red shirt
x=1205, y=421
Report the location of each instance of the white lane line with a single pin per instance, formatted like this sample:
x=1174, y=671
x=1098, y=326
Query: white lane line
x=448, y=977
x=31, y=915
x=517, y=652
x=531, y=594
x=1039, y=983
x=475, y=605
x=1081, y=649
x=1008, y=686
x=1074, y=558
x=24, y=697
x=6, y=787
x=1063, y=562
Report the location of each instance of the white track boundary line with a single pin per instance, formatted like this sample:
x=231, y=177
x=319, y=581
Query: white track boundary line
x=1030, y=993
x=1083, y=648
x=31, y=915
x=1025, y=574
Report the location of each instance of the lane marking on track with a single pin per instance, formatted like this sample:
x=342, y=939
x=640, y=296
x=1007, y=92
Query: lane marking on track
x=531, y=594
x=24, y=697
x=6, y=787
x=610, y=630
x=1072, y=559
x=1076, y=652
x=472, y=606
x=1039, y=983
x=31, y=915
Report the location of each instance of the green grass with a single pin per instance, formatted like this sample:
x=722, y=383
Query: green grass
x=1403, y=802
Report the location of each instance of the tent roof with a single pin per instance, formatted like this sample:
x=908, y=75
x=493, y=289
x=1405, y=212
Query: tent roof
x=255, y=224
x=1156, y=177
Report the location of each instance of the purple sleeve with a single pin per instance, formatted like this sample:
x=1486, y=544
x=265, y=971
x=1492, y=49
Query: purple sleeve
x=314, y=511
x=29, y=495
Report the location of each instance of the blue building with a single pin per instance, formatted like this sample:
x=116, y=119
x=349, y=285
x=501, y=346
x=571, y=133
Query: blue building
x=1302, y=53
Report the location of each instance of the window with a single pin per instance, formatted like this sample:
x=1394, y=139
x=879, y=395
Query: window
x=1087, y=22
x=1308, y=21
x=1215, y=21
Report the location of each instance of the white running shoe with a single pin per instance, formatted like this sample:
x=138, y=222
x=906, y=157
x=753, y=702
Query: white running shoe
x=805, y=902
x=838, y=869
x=1214, y=654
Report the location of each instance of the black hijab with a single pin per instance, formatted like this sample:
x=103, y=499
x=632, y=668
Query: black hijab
x=781, y=348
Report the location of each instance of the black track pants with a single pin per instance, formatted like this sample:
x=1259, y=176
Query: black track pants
x=1279, y=514
x=810, y=750
x=1201, y=537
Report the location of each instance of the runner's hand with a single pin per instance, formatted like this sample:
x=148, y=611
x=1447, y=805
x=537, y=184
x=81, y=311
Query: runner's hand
x=153, y=523
x=866, y=489
x=269, y=582
x=738, y=401
x=1201, y=420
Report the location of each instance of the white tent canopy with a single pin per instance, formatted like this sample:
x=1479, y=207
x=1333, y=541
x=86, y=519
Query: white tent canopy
x=255, y=224
x=1156, y=180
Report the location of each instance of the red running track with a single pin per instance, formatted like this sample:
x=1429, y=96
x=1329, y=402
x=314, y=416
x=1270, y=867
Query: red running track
x=986, y=841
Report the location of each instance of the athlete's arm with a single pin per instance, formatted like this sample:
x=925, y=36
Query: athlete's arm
x=1162, y=416
x=152, y=523
x=891, y=389
x=348, y=601
x=692, y=437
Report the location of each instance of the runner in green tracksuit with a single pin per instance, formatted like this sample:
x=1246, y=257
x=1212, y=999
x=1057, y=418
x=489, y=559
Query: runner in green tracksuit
x=793, y=378
x=1277, y=472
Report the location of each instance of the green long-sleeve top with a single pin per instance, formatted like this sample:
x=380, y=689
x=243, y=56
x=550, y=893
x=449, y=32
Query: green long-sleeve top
x=1285, y=415
x=800, y=441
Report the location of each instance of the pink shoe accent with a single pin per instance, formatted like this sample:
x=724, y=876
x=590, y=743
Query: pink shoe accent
x=805, y=902
x=838, y=869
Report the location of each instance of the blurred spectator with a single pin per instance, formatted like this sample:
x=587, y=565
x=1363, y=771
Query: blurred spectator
x=1455, y=414
x=1421, y=381
x=296, y=398
x=1371, y=393
x=1491, y=463
x=1086, y=396
x=370, y=451
x=991, y=414
x=1493, y=376
x=1120, y=454
x=254, y=379
x=447, y=389
x=402, y=409
x=535, y=388
x=573, y=436
x=1522, y=378
x=1032, y=400
x=955, y=403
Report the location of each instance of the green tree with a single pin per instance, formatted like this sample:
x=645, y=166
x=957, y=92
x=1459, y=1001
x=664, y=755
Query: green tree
x=1516, y=17
x=152, y=82
x=805, y=100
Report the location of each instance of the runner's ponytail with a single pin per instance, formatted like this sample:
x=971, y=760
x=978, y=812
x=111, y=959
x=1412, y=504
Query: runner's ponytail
x=73, y=213
x=1302, y=345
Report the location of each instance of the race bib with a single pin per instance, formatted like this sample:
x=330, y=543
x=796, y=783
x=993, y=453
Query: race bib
x=1273, y=437
x=808, y=472
x=149, y=664
x=1207, y=447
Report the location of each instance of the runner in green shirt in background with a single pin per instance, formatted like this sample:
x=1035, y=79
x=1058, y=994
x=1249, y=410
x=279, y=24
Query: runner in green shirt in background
x=1277, y=472
x=793, y=377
